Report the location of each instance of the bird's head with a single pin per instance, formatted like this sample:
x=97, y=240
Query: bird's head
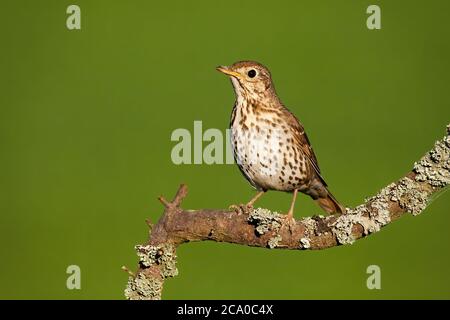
x=250, y=79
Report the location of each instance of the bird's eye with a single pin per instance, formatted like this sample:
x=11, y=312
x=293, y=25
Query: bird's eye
x=251, y=73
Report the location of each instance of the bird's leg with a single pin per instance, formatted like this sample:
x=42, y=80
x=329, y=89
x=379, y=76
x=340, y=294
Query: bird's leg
x=245, y=207
x=255, y=198
x=290, y=214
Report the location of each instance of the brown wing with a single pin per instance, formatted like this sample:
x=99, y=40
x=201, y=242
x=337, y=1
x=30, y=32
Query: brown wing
x=302, y=141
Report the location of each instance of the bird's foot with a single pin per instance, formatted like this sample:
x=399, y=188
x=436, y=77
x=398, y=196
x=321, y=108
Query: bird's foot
x=289, y=222
x=241, y=208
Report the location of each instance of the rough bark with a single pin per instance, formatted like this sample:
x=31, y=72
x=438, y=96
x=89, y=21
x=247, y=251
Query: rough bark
x=262, y=228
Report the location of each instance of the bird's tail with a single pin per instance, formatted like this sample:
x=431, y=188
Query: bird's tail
x=330, y=204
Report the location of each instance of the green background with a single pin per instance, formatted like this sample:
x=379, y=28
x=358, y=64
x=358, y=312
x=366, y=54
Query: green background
x=86, y=118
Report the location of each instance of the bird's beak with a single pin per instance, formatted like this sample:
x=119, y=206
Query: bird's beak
x=227, y=71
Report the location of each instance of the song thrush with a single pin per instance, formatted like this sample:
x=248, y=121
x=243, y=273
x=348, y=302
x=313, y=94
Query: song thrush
x=269, y=144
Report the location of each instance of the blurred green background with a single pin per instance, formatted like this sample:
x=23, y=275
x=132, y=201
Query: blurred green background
x=86, y=118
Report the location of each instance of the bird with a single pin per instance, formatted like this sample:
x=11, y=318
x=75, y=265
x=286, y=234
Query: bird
x=269, y=144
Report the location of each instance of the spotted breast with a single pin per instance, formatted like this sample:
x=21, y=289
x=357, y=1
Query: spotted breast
x=264, y=148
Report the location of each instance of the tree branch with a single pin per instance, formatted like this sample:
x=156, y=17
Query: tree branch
x=262, y=228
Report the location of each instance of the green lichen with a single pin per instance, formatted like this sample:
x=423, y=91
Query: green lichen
x=379, y=216
x=343, y=226
x=434, y=167
x=163, y=255
x=305, y=243
x=311, y=228
x=266, y=221
x=274, y=241
x=410, y=196
x=148, y=287
x=143, y=288
x=310, y=225
x=371, y=220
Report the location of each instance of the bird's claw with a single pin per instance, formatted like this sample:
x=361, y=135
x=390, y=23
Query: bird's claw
x=289, y=222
